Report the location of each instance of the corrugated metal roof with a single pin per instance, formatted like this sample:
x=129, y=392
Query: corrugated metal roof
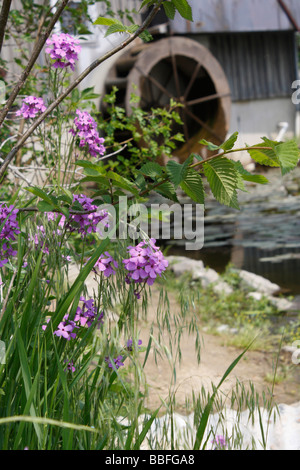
x=238, y=16
x=257, y=65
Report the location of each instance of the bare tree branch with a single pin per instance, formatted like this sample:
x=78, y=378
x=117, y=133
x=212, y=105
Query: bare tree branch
x=3, y=19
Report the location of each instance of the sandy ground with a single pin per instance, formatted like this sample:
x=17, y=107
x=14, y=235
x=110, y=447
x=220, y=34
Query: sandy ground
x=255, y=366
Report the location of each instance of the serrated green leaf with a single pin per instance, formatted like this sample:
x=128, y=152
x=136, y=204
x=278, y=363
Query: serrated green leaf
x=247, y=176
x=229, y=143
x=177, y=171
x=193, y=186
x=147, y=2
x=288, y=156
x=167, y=190
x=170, y=10
x=210, y=146
x=264, y=156
x=115, y=28
x=222, y=178
x=183, y=8
x=123, y=183
x=107, y=21
x=151, y=169
x=146, y=36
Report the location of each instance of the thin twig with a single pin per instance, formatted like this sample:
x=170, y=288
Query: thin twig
x=3, y=19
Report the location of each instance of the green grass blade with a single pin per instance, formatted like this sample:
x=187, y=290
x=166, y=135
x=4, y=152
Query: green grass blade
x=207, y=410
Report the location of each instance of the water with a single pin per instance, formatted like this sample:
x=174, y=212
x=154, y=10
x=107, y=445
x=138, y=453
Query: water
x=263, y=237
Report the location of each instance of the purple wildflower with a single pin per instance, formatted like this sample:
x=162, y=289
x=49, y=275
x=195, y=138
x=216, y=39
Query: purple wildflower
x=64, y=50
x=82, y=223
x=87, y=223
x=70, y=366
x=8, y=218
x=31, y=107
x=129, y=345
x=105, y=264
x=220, y=442
x=86, y=131
x=87, y=313
x=66, y=328
x=10, y=228
x=45, y=326
x=117, y=362
x=146, y=262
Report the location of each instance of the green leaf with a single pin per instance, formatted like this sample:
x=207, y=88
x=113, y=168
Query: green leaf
x=107, y=21
x=177, y=171
x=288, y=156
x=193, y=186
x=44, y=206
x=183, y=8
x=147, y=2
x=170, y=10
x=265, y=156
x=122, y=182
x=247, y=176
x=210, y=146
x=115, y=28
x=222, y=178
x=167, y=190
x=151, y=169
x=42, y=195
x=229, y=143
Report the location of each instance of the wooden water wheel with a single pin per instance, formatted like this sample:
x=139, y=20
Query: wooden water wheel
x=186, y=71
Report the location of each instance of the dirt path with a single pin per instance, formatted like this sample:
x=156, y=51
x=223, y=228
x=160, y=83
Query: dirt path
x=255, y=366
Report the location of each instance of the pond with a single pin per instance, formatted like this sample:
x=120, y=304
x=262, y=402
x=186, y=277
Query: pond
x=263, y=237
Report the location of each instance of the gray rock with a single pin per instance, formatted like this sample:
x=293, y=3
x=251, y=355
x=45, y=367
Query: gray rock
x=180, y=265
x=221, y=287
x=259, y=283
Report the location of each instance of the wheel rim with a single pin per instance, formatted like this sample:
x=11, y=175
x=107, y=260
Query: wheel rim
x=185, y=71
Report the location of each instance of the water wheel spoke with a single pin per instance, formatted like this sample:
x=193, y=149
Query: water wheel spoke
x=203, y=124
x=176, y=77
x=192, y=80
x=204, y=99
x=157, y=84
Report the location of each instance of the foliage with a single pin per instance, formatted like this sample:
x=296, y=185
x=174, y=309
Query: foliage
x=62, y=383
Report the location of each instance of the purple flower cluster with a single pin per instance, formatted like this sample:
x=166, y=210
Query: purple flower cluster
x=38, y=239
x=117, y=362
x=8, y=218
x=87, y=314
x=84, y=316
x=87, y=223
x=66, y=328
x=31, y=107
x=146, y=262
x=82, y=223
x=63, y=49
x=86, y=131
x=105, y=264
x=220, y=442
x=129, y=345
